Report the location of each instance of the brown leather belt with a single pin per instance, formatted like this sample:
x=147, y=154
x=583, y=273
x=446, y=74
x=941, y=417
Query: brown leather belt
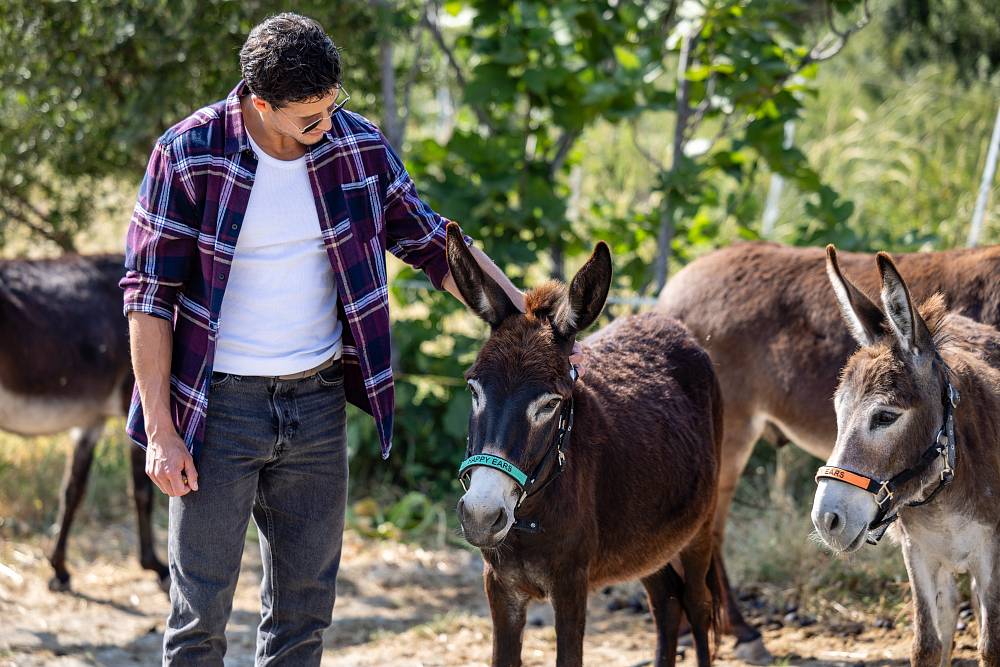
x=309, y=373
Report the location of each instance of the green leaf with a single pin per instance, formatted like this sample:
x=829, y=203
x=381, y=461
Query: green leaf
x=698, y=73
x=626, y=58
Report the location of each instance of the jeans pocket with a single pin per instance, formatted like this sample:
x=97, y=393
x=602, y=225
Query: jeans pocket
x=332, y=376
x=220, y=380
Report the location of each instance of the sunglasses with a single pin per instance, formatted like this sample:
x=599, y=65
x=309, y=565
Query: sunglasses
x=338, y=104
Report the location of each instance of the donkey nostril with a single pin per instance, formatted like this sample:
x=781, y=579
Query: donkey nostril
x=500, y=522
x=832, y=521
x=461, y=509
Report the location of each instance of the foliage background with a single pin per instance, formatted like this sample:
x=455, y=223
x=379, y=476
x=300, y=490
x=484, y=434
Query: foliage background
x=542, y=126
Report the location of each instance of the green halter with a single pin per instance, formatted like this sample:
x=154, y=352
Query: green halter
x=529, y=487
x=490, y=461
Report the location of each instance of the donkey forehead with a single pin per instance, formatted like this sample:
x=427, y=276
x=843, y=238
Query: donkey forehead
x=521, y=352
x=880, y=371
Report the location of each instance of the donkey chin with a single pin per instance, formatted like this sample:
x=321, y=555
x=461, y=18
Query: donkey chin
x=486, y=511
x=841, y=514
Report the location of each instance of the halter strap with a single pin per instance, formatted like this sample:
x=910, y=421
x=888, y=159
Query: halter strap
x=845, y=475
x=495, y=462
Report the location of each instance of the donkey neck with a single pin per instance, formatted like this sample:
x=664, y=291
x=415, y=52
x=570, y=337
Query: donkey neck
x=975, y=489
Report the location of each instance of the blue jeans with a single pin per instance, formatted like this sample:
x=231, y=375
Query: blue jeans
x=276, y=450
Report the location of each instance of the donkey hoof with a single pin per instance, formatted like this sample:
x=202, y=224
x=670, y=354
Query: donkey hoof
x=753, y=652
x=59, y=583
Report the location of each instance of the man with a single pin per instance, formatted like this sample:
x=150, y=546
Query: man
x=257, y=303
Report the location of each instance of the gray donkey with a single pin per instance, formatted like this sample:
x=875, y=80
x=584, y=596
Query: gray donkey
x=918, y=441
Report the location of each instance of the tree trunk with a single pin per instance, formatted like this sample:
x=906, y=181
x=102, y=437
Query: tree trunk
x=665, y=234
x=390, y=110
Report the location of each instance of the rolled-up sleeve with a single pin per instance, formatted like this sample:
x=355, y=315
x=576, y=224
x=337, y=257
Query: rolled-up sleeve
x=162, y=237
x=414, y=232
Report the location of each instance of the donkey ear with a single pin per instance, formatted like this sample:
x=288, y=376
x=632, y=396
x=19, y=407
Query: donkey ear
x=481, y=293
x=587, y=293
x=905, y=321
x=863, y=317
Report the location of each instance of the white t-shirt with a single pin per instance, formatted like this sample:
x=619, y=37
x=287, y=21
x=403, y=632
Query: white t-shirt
x=279, y=313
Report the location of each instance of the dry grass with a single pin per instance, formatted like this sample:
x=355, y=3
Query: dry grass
x=31, y=471
x=770, y=542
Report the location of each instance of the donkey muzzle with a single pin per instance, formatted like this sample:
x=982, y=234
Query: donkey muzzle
x=841, y=514
x=486, y=511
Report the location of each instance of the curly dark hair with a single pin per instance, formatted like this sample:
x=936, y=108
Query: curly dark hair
x=288, y=58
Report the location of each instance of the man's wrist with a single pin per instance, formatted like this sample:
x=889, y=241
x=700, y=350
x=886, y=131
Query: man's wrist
x=159, y=426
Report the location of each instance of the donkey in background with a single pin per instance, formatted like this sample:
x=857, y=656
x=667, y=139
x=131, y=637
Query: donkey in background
x=767, y=317
x=64, y=364
x=918, y=439
x=575, y=485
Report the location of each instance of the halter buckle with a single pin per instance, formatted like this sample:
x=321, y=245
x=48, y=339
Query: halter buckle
x=888, y=494
x=953, y=396
x=947, y=472
x=562, y=459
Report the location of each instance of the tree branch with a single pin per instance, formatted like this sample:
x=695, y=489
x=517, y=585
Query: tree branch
x=61, y=239
x=831, y=45
x=642, y=151
x=455, y=67
x=702, y=108
x=564, y=145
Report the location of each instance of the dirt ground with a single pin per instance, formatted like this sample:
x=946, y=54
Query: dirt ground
x=398, y=604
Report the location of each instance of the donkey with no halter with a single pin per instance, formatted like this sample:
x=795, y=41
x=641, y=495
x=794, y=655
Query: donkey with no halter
x=768, y=319
x=576, y=484
x=918, y=415
x=64, y=364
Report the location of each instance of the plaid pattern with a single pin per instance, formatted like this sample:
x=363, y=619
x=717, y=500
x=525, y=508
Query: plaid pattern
x=182, y=237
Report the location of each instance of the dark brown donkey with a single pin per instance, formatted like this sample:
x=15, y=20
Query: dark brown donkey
x=768, y=319
x=64, y=364
x=576, y=484
x=918, y=410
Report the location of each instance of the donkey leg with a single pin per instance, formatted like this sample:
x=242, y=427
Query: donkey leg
x=986, y=589
x=740, y=434
x=696, y=558
x=665, y=590
x=73, y=486
x=509, y=611
x=569, y=599
x=142, y=496
x=935, y=605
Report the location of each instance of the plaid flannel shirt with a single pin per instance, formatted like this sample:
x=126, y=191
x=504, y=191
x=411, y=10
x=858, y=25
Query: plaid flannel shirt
x=182, y=237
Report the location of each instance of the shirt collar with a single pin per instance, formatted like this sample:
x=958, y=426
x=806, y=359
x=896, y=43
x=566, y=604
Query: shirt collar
x=236, y=131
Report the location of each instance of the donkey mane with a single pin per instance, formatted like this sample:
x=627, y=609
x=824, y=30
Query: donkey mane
x=546, y=301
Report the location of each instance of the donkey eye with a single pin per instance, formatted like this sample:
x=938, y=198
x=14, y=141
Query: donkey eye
x=882, y=418
x=553, y=404
x=472, y=389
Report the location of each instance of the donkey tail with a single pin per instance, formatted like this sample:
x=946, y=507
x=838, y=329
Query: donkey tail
x=717, y=589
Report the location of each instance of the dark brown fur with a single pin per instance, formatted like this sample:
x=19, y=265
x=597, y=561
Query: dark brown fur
x=64, y=342
x=639, y=486
x=768, y=318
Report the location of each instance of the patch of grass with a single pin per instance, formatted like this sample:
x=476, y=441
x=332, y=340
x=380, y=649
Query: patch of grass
x=31, y=472
x=770, y=543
